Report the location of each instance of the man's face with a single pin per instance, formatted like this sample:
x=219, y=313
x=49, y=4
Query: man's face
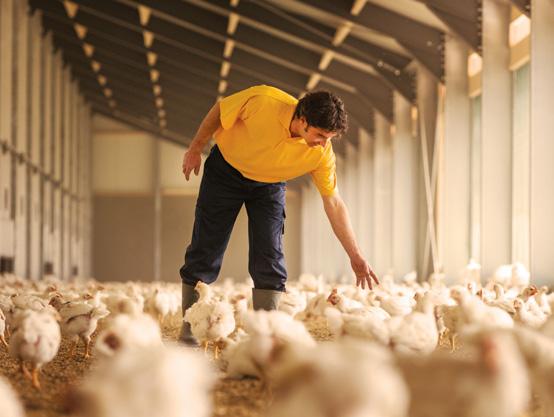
x=315, y=136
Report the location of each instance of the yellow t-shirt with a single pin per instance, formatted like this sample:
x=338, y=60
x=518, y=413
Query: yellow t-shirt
x=255, y=140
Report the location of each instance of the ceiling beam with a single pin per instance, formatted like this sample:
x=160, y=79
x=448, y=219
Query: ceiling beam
x=377, y=93
x=248, y=67
x=524, y=6
x=265, y=23
x=463, y=17
x=425, y=43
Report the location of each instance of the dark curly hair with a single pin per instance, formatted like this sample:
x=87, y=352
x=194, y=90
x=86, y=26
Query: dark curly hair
x=323, y=110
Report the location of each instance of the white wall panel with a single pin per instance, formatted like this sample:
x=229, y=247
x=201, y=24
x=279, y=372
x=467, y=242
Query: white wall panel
x=404, y=189
x=122, y=162
x=542, y=145
x=6, y=134
x=21, y=132
x=382, y=225
x=496, y=152
x=455, y=197
x=365, y=194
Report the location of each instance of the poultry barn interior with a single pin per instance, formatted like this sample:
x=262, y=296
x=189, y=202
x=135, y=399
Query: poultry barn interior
x=446, y=171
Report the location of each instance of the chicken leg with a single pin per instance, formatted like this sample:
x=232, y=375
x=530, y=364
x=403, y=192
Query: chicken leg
x=3, y=340
x=73, y=347
x=205, y=346
x=216, y=352
x=36, y=382
x=25, y=371
x=453, y=337
x=87, y=348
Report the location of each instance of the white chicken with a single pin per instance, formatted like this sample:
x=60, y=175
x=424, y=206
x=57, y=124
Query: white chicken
x=147, y=382
x=449, y=322
x=475, y=311
x=415, y=333
x=542, y=300
x=3, y=328
x=210, y=320
x=240, y=307
x=311, y=283
x=396, y=304
x=35, y=339
x=349, y=379
x=267, y=331
x=315, y=308
x=79, y=321
x=538, y=351
x=7, y=307
x=527, y=317
x=159, y=305
x=343, y=303
x=501, y=299
x=514, y=275
x=364, y=326
x=292, y=302
x=126, y=332
x=472, y=272
x=120, y=303
x=10, y=406
x=494, y=382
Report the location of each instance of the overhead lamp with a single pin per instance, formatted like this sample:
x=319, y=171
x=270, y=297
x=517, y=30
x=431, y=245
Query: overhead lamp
x=474, y=64
x=95, y=65
x=520, y=28
x=326, y=60
x=89, y=49
x=148, y=38
x=154, y=75
x=102, y=79
x=225, y=67
x=222, y=86
x=312, y=82
x=71, y=8
x=357, y=7
x=80, y=30
x=341, y=33
x=233, y=23
x=152, y=58
x=229, y=45
x=144, y=14
x=157, y=89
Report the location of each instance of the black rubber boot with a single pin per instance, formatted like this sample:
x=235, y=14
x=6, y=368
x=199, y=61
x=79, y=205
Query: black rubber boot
x=265, y=299
x=189, y=297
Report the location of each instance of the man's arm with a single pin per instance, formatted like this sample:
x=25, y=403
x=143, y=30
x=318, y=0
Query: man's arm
x=340, y=222
x=192, y=159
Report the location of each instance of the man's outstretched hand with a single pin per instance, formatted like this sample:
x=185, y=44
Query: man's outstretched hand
x=364, y=273
x=191, y=161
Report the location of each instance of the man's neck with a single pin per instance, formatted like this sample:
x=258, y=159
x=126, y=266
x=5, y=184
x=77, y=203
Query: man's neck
x=293, y=128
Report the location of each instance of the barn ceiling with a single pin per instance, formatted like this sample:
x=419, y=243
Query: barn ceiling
x=161, y=64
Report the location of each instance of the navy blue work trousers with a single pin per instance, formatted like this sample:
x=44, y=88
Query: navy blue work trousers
x=223, y=191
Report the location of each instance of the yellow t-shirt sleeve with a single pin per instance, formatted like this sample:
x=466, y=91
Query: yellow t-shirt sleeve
x=237, y=106
x=325, y=175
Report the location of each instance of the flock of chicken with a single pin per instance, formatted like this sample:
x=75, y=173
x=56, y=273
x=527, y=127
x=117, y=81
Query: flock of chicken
x=384, y=359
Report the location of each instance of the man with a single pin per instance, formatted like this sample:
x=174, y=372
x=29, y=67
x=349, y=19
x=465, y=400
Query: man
x=263, y=138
